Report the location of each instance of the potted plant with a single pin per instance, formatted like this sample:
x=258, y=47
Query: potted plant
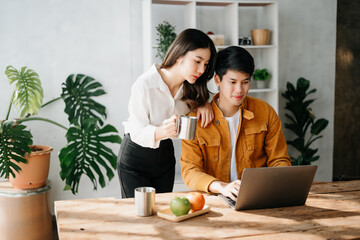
x=85, y=152
x=302, y=119
x=166, y=35
x=261, y=76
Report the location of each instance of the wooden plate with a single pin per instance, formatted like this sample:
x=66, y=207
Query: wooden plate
x=168, y=215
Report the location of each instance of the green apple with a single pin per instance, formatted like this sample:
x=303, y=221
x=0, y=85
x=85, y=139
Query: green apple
x=180, y=206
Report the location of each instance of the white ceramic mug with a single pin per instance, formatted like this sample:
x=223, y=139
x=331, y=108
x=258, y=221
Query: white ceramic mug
x=186, y=127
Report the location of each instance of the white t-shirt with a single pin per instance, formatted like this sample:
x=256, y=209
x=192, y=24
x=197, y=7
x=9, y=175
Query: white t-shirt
x=150, y=104
x=233, y=126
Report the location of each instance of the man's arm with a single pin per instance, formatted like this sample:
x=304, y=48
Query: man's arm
x=230, y=190
x=195, y=177
x=192, y=166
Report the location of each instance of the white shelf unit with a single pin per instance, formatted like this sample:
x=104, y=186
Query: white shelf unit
x=233, y=19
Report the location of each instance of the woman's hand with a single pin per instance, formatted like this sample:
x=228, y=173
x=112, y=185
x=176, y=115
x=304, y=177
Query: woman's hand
x=205, y=114
x=167, y=129
x=230, y=190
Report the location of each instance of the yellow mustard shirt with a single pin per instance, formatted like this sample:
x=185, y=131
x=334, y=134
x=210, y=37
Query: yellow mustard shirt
x=259, y=143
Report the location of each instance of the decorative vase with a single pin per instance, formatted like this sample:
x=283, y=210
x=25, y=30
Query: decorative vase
x=34, y=173
x=260, y=84
x=260, y=36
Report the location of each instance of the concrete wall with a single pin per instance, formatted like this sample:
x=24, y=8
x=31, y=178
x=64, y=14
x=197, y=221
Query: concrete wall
x=103, y=39
x=307, y=46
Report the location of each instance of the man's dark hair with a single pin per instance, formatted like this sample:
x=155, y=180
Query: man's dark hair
x=234, y=58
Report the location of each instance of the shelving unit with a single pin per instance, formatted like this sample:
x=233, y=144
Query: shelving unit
x=233, y=19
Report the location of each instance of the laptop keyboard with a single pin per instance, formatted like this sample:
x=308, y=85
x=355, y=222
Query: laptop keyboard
x=231, y=202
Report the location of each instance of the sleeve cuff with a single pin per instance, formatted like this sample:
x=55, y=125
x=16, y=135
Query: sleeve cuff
x=204, y=182
x=145, y=137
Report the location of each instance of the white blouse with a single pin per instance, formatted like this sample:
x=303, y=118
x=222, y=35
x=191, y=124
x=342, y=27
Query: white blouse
x=150, y=104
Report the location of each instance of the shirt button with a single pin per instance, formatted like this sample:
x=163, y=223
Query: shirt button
x=217, y=122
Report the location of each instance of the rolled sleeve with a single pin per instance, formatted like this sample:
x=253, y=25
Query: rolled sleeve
x=138, y=124
x=192, y=170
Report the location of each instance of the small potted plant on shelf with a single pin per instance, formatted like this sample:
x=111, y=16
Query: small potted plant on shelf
x=85, y=152
x=166, y=35
x=302, y=119
x=261, y=76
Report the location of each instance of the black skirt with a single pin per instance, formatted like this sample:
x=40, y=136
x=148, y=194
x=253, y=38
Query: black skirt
x=146, y=167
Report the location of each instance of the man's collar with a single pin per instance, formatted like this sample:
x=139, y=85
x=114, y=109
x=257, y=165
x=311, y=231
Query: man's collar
x=247, y=114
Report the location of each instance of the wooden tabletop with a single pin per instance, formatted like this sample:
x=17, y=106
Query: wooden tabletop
x=332, y=211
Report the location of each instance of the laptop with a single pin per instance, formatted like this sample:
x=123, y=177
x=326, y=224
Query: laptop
x=272, y=187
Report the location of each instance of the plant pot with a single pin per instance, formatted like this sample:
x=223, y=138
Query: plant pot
x=35, y=173
x=260, y=36
x=261, y=84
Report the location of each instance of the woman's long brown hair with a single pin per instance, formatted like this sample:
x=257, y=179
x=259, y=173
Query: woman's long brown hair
x=197, y=94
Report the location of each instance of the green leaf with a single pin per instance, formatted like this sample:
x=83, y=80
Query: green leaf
x=301, y=120
x=166, y=35
x=77, y=93
x=291, y=118
x=14, y=145
x=67, y=187
x=308, y=145
x=86, y=154
x=310, y=153
x=319, y=126
x=28, y=92
x=261, y=74
x=297, y=161
x=294, y=128
x=298, y=143
x=311, y=91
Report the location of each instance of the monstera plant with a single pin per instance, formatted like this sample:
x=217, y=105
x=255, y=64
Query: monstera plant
x=302, y=119
x=86, y=151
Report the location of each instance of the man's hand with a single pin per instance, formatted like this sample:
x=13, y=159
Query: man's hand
x=230, y=190
x=205, y=114
x=167, y=129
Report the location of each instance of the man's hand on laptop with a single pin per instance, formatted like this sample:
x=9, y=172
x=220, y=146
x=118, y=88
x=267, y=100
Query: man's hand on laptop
x=230, y=190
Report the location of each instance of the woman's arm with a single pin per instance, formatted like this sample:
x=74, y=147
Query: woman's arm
x=205, y=114
x=167, y=129
x=138, y=124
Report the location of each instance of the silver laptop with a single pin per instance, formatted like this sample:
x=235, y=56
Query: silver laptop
x=271, y=187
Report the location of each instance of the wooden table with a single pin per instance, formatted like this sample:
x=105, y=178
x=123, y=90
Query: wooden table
x=332, y=211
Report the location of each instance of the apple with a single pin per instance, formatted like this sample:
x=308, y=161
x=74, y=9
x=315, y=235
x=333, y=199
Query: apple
x=180, y=206
x=197, y=201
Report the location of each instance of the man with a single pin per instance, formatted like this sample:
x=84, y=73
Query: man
x=245, y=133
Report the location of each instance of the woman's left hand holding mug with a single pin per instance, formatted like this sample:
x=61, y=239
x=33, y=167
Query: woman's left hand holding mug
x=167, y=129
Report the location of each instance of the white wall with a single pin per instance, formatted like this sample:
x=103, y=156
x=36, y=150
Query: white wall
x=307, y=44
x=103, y=39
x=57, y=38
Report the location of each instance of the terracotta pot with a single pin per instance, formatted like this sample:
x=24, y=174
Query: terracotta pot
x=260, y=36
x=35, y=173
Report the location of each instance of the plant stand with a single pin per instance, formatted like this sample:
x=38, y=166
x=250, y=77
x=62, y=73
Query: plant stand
x=25, y=214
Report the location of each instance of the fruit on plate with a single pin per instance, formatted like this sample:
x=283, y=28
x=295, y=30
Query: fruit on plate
x=180, y=206
x=197, y=201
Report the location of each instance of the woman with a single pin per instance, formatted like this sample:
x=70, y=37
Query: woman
x=158, y=97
